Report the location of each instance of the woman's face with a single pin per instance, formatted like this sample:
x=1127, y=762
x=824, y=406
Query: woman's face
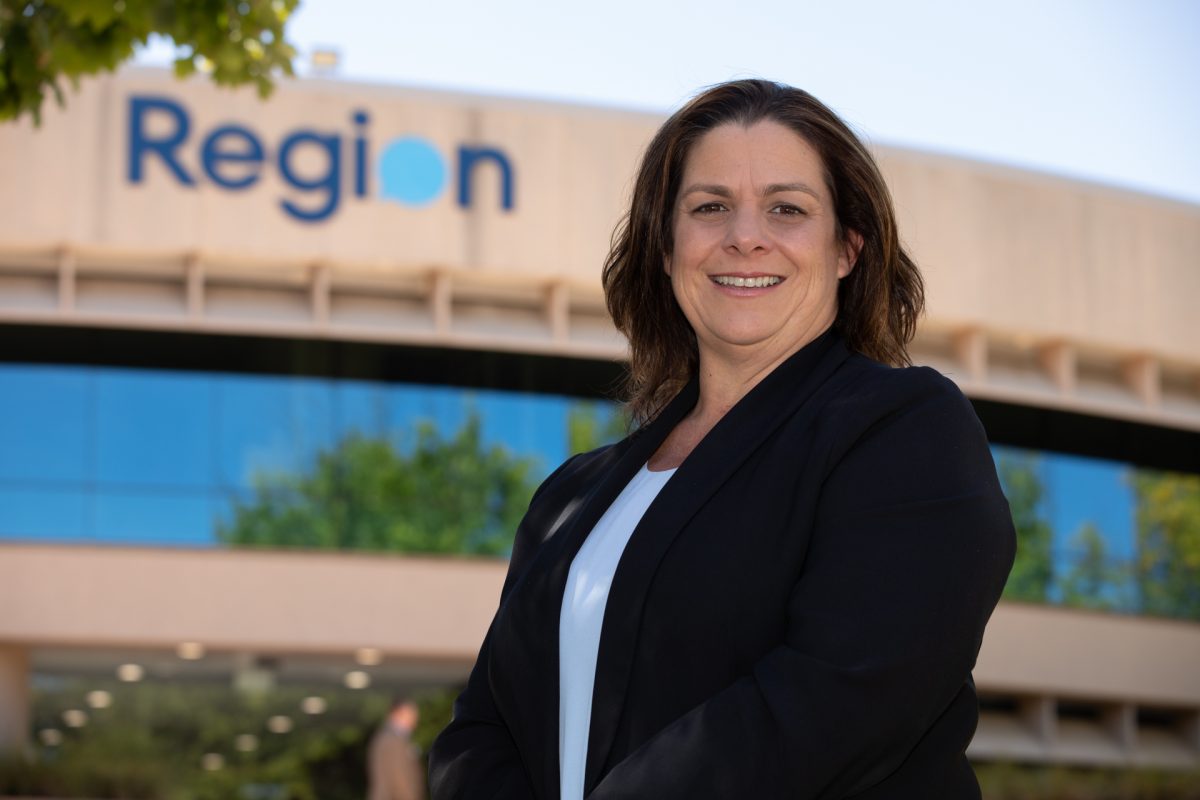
x=756, y=258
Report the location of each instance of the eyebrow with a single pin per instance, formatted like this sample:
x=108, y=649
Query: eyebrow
x=774, y=188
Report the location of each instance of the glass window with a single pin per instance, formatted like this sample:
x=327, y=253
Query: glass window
x=269, y=424
x=44, y=512
x=164, y=517
x=166, y=457
x=153, y=428
x=1102, y=534
x=43, y=423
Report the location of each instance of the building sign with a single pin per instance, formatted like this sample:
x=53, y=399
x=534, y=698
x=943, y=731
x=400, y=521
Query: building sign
x=409, y=170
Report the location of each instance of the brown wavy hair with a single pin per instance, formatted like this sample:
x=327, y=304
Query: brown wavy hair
x=878, y=302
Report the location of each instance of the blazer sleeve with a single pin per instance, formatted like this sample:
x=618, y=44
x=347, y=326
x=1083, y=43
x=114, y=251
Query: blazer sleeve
x=911, y=543
x=475, y=756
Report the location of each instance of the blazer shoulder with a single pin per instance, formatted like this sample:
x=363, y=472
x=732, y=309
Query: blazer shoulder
x=866, y=392
x=553, y=499
x=913, y=408
x=868, y=379
x=573, y=472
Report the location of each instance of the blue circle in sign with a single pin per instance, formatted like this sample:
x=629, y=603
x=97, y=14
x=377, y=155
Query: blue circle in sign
x=411, y=171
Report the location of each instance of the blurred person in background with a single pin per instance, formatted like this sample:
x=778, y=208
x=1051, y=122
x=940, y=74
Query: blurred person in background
x=777, y=585
x=393, y=761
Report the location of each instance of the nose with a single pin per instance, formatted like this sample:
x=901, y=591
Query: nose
x=746, y=233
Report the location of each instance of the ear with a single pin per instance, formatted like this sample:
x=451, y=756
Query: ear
x=667, y=265
x=852, y=245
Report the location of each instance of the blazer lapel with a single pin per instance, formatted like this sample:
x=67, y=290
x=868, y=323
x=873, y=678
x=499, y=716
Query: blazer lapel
x=541, y=593
x=714, y=459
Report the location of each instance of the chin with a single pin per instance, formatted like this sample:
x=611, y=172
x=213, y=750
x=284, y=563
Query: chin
x=742, y=339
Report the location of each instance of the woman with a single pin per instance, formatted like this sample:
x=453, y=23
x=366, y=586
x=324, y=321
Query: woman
x=810, y=539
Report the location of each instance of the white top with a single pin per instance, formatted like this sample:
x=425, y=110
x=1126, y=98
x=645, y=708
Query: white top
x=582, y=614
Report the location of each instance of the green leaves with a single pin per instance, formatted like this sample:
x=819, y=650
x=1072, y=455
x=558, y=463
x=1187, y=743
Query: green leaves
x=45, y=41
x=1033, y=571
x=1094, y=579
x=442, y=495
x=1168, y=542
x=1162, y=580
x=591, y=424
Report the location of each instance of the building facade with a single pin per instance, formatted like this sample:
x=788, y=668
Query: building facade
x=210, y=304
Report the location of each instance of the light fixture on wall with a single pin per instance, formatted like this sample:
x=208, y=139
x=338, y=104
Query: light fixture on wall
x=130, y=673
x=313, y=705
x=190, y=651
x=368, y=656
x=74, y=718
x=279, y=724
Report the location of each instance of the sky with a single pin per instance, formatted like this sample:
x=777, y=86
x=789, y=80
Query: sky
x=1103, y=90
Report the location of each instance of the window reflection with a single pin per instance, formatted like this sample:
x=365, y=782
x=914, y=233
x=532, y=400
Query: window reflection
x=44, y=512
x=44, y=423
x=170, y=517
x=205, y=459
x=1102, y=535
x=269, y=424
x=153, y=429
x=164, y=457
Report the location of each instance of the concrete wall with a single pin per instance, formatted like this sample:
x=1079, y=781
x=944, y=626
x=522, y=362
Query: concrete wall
x=1003, y=250
x=92, y=607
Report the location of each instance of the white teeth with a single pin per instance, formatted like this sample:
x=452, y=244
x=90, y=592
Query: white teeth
x=753, y=283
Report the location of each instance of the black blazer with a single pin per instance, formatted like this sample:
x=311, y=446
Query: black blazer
x=796, y=615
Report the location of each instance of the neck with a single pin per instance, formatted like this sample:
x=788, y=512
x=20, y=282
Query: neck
x=723, y=381
x=727, y=377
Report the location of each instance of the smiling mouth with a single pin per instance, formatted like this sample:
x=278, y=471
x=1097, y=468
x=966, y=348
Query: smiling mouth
x=757, y=282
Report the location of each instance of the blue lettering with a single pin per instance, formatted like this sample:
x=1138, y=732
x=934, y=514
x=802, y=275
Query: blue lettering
x=411, y=170
x=248, y=150
x=140, y=143
x=468, y=157
x=328, y=181
x=360, y=155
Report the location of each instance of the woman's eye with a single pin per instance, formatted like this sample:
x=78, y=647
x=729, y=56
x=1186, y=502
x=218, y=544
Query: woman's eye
x=709, y=208
x=787, y=210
